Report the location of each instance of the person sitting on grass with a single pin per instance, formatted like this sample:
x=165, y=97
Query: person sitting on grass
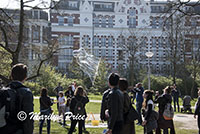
x=45, y=109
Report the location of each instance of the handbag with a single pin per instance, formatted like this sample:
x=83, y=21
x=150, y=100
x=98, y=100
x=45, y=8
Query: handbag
x=132, y=115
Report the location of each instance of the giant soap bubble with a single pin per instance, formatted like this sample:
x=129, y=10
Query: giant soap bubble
x=88, y=63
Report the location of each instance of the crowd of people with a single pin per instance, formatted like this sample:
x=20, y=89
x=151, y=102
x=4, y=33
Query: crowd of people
x=117, y=108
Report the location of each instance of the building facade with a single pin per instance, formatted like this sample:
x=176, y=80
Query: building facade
x=120, y=31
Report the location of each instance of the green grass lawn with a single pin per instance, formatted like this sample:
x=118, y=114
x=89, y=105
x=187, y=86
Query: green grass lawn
x=90, y=107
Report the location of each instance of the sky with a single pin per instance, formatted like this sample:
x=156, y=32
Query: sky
x=14, y=4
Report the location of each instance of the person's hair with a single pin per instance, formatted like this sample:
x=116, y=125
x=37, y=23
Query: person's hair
x=113, y=79
x=69, y=87
x=79, y=91
x=139, y=85
x=168, y=89
x=43, y=92
x=19, y=72
x=61, y=92
x=123, y=84
x=149, y=94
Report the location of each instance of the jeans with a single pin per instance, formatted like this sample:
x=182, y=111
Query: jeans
x=138, y=109
x=176, y=101
x=73, y=125
x=48, y=112
x=172, y=131
x=117, y=127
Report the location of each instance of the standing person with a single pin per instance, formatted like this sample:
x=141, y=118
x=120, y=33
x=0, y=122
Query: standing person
x=78, y=107
x=175, y=95
x=150, y=120
x=57, y=90
x=128, y=127
x=73, y=86
x=197, y=110
x=157, y=94
x=115, y=106
x=45, y=109
x=61, y=101
x=22, y=100
x=139, y=101
x=69, y=94
x=104, y=105
x=162, y=102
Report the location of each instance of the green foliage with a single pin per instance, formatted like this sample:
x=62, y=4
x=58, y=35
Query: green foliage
x=100, y=83
x=5, y=62
x=49, y=79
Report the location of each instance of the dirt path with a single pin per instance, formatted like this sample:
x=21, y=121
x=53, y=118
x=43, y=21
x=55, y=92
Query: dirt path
x=187, y=121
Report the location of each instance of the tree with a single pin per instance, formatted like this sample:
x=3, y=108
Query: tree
x=15, y=48
x=100, y=83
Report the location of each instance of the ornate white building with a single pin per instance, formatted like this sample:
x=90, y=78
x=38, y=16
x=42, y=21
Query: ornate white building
x=113, y=30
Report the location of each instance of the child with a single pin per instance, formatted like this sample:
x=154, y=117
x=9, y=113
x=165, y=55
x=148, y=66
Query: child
x=150, y=119
x=61, y=101
x=197, y=110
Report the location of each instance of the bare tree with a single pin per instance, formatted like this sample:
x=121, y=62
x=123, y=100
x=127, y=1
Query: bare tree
x=16, y=48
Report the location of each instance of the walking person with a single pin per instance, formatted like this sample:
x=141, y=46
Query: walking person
x=45, y=109
x=175, y=95
x=139, y=101
x=162, y=101
x=77, y=107
x=57, y=90
x=21, y=99
x=115, y=106
x=128, y=127
x=61, y=101
x=197, y=110
x=150, y=116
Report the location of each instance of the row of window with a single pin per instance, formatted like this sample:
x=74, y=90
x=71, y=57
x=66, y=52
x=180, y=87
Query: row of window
x=61, y=20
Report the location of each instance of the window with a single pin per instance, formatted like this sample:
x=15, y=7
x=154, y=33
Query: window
x=103, y=41
x=103, y=22
x=86, y=41
x=36, y=34
x=96, y=22
x=110, y=22
x=62, y=65
x=153, y=42
x=103, y=52
x=70, y=20
x=132, y=18
x=96, y=52
x=160, y=43
x=193, y=22
x=121, y=41
x=196, y=43
x=35, y=15
x=160, y=23
x=96, y=41
x=60, y=21
x=154, y=25
x=110, y=52
x=66, y=40
x=73, y=4
x=110, y=41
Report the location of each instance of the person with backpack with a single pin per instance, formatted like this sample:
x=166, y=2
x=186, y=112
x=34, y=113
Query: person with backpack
x=166, y=112
x=45, y=109
x=16, y=99
x=150, y=115
x=77, y=107
x=115, y=106
x=129, y=126
x=197, y=110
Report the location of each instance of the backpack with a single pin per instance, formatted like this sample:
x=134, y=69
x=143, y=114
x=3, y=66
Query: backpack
x=168, y=113
x=79, y=108
x=8, y=106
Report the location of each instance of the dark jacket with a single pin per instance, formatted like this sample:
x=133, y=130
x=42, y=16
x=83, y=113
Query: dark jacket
x=197, y=107
x=84, y=100
x=175, y=94
x=25, y=101
x=139, y=94
x=45, y=102
x=69, y=93
x=115, y=107
x=162, y=101
x=104, y=104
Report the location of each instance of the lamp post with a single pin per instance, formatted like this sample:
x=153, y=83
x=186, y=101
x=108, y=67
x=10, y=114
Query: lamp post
x=149, y=55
